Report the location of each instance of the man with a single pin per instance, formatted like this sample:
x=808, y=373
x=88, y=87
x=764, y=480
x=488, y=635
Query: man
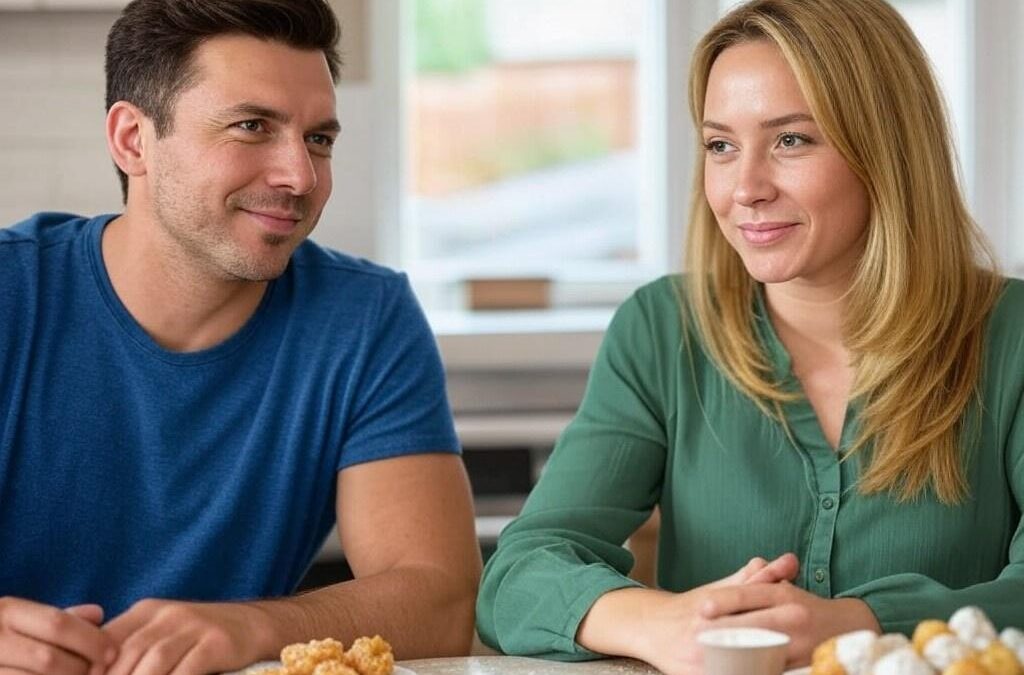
x=191, y=392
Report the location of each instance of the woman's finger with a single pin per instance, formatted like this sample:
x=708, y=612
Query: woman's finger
x=742, y=574
x=783, y=568
x=742, y=599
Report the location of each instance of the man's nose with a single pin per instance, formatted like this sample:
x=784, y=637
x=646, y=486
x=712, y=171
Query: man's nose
x=292, y=167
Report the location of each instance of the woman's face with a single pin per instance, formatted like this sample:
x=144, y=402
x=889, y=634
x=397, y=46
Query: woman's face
x=784, y=198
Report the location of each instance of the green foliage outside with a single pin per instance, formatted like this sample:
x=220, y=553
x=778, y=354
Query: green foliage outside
x=451, y=35
x=540, y=150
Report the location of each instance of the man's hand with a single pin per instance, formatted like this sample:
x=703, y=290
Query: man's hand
x=160, y=637
x=661, y=627
x=40, y=639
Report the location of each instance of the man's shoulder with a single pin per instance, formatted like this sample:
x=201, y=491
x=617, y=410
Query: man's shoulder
x=44, y=230
x=311, y=258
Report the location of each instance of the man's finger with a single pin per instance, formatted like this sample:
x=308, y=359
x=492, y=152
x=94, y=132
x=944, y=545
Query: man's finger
x=167, y=656
x=91, y=613
x=61, y=629
x=124, y=625
x=140, y=647
x=25, y=655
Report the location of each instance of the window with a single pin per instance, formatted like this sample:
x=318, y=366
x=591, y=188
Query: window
x=529, y=143
x=973, y=45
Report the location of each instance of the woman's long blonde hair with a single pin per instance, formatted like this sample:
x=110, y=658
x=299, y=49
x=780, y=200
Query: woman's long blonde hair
x=915, y=314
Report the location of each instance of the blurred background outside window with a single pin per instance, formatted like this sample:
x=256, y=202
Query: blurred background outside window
x=531, y=134
x=583, y=178
x=526, y=140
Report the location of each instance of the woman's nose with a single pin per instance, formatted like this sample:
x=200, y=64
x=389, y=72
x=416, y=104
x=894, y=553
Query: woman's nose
x=754, y=181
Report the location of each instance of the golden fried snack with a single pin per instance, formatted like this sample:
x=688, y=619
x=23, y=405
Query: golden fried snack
x=371, y=656
x=1000, y=660
x=968, y=666
x=302, y=658
x=824, y=661
x=926, y=630
x=334, y=668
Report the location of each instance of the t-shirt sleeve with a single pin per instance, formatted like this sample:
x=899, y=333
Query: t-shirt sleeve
x=603, y=479
x=400, y=405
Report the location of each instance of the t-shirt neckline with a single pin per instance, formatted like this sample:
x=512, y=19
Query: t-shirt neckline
x=138, y=335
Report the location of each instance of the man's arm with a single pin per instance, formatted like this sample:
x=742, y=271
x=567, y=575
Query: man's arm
x=406, y=525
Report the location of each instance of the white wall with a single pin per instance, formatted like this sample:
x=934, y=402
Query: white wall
x=53, y=153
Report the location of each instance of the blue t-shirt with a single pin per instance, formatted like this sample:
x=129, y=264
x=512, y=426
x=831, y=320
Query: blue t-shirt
x=129, y=471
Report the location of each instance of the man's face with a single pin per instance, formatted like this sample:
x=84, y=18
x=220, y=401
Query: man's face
x=242, y=177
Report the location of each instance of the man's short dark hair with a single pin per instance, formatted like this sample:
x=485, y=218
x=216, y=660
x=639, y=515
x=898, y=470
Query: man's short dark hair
x=150, y=47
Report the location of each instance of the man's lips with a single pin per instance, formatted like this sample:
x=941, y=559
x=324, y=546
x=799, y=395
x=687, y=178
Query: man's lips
x=276, y=221
x=765, y=233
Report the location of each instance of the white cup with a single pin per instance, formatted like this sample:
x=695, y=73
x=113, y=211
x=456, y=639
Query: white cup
x=743, y=651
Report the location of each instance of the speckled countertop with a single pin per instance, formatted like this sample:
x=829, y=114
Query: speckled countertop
x=500, y=665
x=517, y=665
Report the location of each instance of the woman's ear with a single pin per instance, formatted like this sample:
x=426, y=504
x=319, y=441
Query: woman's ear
x=125, y=138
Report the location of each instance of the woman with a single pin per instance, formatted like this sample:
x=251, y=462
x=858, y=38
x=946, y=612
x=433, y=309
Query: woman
x=832, y=392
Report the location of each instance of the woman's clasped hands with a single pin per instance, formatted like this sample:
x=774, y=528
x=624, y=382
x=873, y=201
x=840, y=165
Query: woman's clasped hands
x=661, y=628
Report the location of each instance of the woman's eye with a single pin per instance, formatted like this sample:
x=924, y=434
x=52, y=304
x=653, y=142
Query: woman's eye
x=717, y=147
x=792, y=140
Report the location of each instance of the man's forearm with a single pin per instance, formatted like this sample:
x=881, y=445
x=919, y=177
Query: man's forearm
x=421, y=611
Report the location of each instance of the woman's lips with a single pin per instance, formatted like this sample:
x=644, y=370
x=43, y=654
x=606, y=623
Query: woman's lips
x=764, y=234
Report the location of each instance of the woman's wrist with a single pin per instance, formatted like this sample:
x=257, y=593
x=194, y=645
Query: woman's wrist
x=856, y=614
x=615, y=624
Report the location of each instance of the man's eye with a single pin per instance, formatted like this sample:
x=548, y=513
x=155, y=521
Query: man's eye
x=322, y=140
x=250, y=125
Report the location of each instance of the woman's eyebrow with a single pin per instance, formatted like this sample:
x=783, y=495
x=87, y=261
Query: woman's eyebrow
x=767, y=124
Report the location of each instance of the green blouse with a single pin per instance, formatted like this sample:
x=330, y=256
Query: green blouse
x=660, y=425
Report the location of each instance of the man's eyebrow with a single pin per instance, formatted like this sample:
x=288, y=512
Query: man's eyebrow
x=255, y=110
x=767, y=124
x=330, y=125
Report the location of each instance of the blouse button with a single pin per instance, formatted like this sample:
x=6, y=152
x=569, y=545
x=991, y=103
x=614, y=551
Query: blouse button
x=819, y=575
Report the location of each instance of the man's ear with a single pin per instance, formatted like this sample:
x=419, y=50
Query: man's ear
x=125, y=123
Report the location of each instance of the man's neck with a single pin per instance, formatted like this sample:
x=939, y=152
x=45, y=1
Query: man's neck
x=183, y=308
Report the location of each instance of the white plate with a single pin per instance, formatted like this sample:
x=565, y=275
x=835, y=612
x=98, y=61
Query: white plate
x=255, y=668
x=799, y=671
